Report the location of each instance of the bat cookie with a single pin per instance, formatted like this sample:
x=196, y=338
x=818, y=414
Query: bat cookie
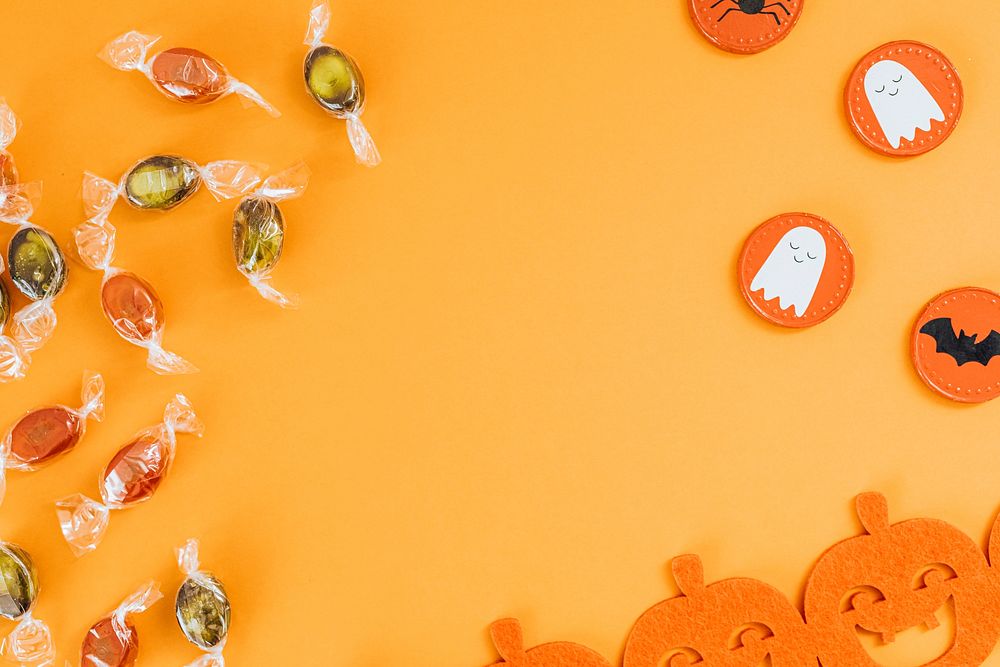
x=954, y=342
x=962, y=348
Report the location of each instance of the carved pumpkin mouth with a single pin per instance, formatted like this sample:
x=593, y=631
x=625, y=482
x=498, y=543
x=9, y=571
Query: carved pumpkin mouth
x=684, y=661
x=930, y=640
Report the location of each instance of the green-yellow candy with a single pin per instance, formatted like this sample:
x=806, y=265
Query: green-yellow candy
x=161, y=182
x=334, y=80
x=258, y=235
x=4, y=306
x=18, y=581
x=37, y=265
x=203, y=610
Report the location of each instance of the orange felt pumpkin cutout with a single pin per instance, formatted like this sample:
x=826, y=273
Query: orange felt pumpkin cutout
x=897, y=577
x=509, y=642
x=738, y=622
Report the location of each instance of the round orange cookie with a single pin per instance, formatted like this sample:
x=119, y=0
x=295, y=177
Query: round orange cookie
x=903, y=99
x=745, y=26
x=955, y=340
x=796, y=270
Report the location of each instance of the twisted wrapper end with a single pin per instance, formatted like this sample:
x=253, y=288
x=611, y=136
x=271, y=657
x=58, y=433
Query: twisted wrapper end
x=263, y=286
x=83, y=522
x=319, y=23
x=30, y=643
x=187, y=557
x=92, y=396
x=144, y=598
x=227, y=179
x=14, y=361
x=9, y=124
x=364, y=146
x=129, y=51
x=250, y=97
x=180, y=417
x=95, y=242
x=164, y=362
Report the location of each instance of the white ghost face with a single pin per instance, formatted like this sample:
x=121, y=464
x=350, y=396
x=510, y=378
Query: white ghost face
x=900, y=101
x=792, y=270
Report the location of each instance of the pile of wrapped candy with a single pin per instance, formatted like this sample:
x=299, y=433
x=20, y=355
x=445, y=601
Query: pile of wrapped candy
x=38, y=269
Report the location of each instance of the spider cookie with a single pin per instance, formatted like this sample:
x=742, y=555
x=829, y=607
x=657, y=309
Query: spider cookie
x=745, y=26
x=904, y=99
x=796, y=270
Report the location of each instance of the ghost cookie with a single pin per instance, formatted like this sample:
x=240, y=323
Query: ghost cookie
x=796, y=270
x=904, y=99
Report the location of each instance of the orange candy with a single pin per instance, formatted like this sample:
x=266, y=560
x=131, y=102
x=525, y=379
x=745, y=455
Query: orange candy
x=113, y=641
x=132, y=306
x=104, y=647
x=188, y=75
x=8, y=170
x=183, y=75
x=132, y=476
x=129, y=302
x=135, y=472
x=44, y=434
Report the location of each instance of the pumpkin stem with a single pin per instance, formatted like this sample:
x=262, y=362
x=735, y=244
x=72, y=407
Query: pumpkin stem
x=688, y=573
x=508, y=638
x=873, y=511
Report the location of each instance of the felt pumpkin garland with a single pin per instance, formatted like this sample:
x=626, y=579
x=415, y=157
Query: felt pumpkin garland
x=509, y=641
x=732, y=622
x=896, y=577
x=887, y=580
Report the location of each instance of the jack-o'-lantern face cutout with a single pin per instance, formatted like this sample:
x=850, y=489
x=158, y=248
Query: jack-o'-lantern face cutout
x=897, y=577
x=731, y=623
x=509, y=642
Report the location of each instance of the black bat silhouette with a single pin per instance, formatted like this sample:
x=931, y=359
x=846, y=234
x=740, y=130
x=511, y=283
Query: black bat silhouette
x=962, y=348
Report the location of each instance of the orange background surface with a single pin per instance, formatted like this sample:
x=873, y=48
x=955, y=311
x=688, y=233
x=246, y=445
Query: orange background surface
x=522, y=377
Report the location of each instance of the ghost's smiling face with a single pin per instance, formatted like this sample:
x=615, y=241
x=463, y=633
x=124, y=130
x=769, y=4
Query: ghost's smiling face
x=900, y=101
x=792, y=270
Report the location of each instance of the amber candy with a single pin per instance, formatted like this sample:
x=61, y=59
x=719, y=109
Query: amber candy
x=136, y=470
x=258, y=235
x=37, y=265
x=105, y=647
x=161, y=182
x=18, y=581
x=42, y=435
x=8, y=170
x=334, y=80
x=188, y=75
x=132, y=306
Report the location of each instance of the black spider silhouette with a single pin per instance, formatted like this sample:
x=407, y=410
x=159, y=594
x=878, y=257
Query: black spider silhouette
x=753, y=7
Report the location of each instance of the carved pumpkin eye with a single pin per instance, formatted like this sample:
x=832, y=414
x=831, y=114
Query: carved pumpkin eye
x=680, y=657
x=748, y=633
x=932, y=575
x=860, y=597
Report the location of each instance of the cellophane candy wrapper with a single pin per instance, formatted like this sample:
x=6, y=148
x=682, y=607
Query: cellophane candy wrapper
x=334, y=80
x=30, y=642
x=130, y=303
x=259, y=230
x=9, y=125
x=113, y=641
x=202, y=608
x=131, y=477
x=182, y=74
x=44, y=434
x=161, y=182
x=38, y=268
